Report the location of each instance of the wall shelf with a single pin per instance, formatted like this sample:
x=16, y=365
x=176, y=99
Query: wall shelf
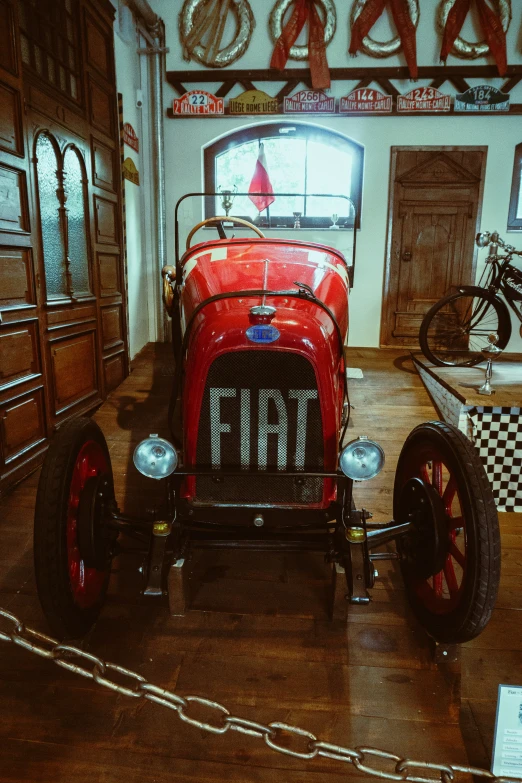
x=382, y=77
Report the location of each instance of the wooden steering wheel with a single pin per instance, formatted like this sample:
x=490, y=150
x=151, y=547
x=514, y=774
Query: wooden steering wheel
x=223, y=217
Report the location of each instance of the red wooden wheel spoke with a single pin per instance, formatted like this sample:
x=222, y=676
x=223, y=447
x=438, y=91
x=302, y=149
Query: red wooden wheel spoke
x=451, y=579
x=437, y=584
x=459, y=556
x=437, y=476
x=442, y=592
x=424, y=474
x=86, y=583
x=455, y=522
x=449, y=494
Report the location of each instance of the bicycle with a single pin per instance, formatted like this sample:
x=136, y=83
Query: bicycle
x=456, y=329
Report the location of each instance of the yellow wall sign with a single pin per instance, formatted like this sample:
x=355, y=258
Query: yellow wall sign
x=130, y=171
x=253, y=102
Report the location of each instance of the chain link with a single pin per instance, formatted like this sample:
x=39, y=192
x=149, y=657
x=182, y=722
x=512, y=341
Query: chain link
x=273, y=734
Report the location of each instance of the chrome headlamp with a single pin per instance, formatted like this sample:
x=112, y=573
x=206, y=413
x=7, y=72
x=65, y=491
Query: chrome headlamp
x=155, y=457
x=361, y=459
x=482, y=239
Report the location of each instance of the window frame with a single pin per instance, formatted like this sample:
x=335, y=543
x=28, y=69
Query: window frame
x=282, y=130
x=514, y=223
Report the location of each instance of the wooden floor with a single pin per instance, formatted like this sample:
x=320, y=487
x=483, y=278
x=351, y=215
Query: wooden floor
x=256, y=636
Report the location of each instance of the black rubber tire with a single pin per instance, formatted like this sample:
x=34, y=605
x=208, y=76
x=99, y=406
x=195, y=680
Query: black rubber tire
x=482, y=574
x=489, y=300
x=66, y=619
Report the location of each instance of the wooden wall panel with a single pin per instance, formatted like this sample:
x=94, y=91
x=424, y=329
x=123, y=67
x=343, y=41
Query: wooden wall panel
x=13, y=200
x=18, y=353
x=11, y=133
x=101, y=106
x=114, y=369
x=109, y=266
x=74, y=369
x=98, y=47
x=106, y=221
x=60, y=358
x=111, y=327
x=22, y=425
x=7, y=48
x=16, y=283
x=103, y=165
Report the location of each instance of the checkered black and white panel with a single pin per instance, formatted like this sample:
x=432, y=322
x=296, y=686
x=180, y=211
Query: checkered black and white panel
x=497, y=434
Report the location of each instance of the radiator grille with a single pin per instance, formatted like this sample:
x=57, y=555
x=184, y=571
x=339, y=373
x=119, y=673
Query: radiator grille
x=260, y=410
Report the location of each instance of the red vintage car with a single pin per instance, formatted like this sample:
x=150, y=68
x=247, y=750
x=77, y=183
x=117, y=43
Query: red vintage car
x=258, y=457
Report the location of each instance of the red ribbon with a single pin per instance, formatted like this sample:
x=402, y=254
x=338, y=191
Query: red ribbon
x=491, y=27
x=304, y=10
x=401, y=16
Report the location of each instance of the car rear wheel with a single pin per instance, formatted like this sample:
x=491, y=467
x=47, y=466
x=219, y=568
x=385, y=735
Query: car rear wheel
x=450, y=559
x=72, y=550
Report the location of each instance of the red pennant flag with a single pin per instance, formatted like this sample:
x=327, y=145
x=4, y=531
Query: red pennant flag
x=260, y=183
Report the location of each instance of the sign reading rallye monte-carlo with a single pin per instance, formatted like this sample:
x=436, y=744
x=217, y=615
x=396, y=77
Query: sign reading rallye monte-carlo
x=424, y=99
x=198, y=102
x=483, y=97
x=365, y=100
x=309, y=101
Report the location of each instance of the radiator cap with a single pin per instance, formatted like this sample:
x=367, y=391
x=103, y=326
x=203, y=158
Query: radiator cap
x=261, y=314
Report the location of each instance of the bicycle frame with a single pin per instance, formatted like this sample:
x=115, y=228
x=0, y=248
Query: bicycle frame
x=499, y=265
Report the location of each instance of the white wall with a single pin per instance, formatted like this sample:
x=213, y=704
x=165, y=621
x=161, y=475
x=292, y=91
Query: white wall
x=142, y=276
x=185, y=140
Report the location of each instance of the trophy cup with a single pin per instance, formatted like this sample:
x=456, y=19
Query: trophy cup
x=297, y=219
x=489, y=352
x=227, y=198
x=335, y=218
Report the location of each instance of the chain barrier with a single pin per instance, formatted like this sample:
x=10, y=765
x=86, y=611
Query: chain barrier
x=273, y=734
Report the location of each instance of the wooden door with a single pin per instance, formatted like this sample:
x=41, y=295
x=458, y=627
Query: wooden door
x=23, y=428
x=435, y=206
x=63, y=342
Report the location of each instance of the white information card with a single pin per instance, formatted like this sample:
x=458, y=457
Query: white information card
x=507, y=745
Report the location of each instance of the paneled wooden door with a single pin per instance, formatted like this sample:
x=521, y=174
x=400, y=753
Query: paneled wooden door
x=63, y=336
x=436, y=195
x=23, y=427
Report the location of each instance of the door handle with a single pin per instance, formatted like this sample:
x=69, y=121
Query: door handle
x=406, y=256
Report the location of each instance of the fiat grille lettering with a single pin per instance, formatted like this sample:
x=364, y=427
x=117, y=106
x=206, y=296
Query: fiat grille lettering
x=266, y=428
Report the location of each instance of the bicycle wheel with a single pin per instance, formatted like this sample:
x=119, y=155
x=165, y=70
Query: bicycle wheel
x=454, y=330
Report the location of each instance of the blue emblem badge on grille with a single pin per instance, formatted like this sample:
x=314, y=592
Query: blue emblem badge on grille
x=262, y=333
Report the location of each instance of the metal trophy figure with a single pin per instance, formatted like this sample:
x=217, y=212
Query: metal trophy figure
x=227, y=198
x=490, y=352
x=297, y=219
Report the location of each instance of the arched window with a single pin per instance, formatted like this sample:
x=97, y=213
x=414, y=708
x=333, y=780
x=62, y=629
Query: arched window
x=62, y=199
x=53, y=244
x=74, y=185
x=300, y=159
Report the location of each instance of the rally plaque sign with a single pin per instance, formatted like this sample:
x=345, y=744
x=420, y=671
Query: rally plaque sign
x=198, y=102
x=130, y=171
x=130, y=137
x=309, y=102
x=253, y=102
x=424, y=99
x=483, y=97
x=365, y=100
